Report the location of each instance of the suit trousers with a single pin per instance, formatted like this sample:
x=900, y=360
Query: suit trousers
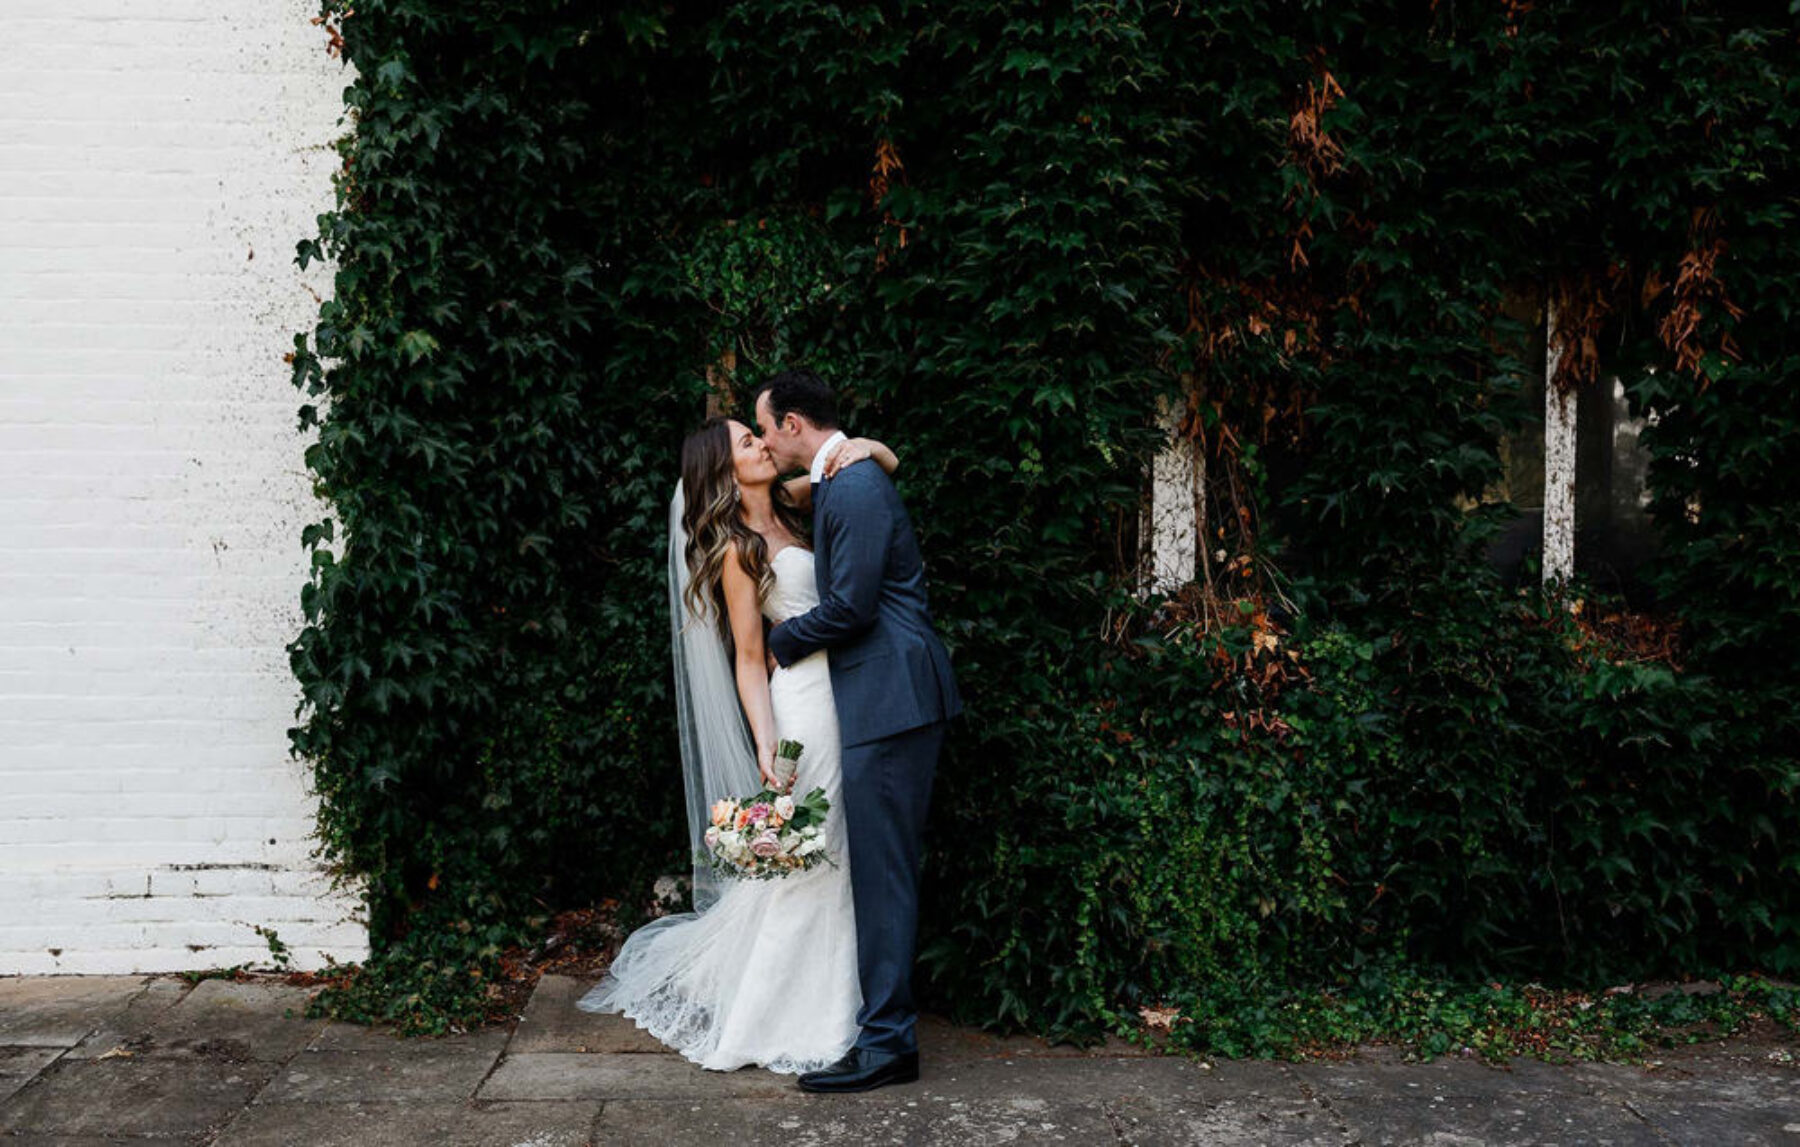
x=886, y=792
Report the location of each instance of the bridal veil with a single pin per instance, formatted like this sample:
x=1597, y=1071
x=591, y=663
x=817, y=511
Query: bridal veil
x=718, y=758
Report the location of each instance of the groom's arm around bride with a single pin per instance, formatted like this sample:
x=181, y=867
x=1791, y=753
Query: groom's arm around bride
x=873, y=613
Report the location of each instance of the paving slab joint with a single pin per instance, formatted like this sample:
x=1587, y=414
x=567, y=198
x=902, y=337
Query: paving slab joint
x=500, y=1059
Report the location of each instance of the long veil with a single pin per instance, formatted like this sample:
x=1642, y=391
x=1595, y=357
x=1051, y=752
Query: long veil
x=718, y=758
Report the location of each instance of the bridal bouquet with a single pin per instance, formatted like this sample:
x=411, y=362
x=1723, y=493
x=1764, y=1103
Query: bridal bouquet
x=769, y=834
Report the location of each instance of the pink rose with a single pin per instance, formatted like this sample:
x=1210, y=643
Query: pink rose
x=766, y=844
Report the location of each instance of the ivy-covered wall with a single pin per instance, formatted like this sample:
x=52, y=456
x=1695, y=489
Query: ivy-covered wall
x=1005, y=232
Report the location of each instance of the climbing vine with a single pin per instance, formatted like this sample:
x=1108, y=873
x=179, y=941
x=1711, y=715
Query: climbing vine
x=1011, y=235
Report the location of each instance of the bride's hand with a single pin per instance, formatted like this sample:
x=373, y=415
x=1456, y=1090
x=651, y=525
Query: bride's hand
x=844, y=453
x=765, y=764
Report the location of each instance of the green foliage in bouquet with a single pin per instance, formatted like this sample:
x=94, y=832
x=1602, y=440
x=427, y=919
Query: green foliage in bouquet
x=1014, y=236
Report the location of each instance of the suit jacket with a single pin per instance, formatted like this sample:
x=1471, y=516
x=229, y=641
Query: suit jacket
x=889, y=670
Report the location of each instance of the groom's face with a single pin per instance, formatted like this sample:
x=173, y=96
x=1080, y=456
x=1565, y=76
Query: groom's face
x=782, y=439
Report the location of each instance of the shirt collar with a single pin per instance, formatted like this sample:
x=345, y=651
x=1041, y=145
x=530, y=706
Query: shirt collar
x=818, y=463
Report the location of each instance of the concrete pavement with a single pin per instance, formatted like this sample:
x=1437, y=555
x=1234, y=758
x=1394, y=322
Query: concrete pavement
x=142, y=1059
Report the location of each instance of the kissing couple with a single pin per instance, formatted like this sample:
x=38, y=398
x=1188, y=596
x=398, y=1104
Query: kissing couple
x=808, y=973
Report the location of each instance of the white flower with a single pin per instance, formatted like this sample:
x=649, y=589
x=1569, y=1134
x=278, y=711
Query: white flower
x=785, y=806
x=712, y=836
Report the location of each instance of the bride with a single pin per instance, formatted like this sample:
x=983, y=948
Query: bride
x=761, y=971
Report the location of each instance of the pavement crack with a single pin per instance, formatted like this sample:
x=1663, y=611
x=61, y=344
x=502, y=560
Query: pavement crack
x=1116, y=1121
x=1630, y=1106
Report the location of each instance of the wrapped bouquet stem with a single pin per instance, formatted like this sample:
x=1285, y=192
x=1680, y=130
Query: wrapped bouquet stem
x=787, y=762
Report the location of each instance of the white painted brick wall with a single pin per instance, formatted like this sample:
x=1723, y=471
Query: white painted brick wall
x=158, y=162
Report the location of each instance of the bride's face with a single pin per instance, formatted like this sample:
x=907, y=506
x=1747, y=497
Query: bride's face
x=751, y=462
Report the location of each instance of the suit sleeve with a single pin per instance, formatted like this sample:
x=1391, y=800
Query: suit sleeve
x=859, y=522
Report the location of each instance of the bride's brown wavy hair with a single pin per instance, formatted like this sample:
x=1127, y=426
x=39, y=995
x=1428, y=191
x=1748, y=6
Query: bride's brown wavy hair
x=714, y=525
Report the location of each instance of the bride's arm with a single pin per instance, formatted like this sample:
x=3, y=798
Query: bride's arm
x=744, y=608
x=848, y=451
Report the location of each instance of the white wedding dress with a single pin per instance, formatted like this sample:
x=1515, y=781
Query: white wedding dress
x=767, y=974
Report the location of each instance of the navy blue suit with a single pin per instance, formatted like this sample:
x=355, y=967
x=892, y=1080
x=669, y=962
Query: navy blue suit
x=891, y=681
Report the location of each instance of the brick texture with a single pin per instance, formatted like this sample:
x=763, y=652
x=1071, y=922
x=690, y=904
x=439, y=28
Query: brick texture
x=158, y=162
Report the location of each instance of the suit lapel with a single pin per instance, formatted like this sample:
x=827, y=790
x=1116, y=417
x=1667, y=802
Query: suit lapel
x=821, y=546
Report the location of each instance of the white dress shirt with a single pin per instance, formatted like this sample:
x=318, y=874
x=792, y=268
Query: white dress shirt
x=818, y=465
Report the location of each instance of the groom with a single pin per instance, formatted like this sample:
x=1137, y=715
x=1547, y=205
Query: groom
x=891, y=680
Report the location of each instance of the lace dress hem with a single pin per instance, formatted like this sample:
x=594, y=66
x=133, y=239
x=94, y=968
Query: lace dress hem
x=671, y=1023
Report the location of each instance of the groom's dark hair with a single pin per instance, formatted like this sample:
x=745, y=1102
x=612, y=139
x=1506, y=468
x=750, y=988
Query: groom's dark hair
x=804, y=393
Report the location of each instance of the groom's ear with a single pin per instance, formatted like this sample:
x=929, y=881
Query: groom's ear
x=757, y=405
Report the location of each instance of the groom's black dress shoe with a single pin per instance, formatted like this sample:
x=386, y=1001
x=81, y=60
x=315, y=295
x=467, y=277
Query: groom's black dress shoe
x=864, y=1070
